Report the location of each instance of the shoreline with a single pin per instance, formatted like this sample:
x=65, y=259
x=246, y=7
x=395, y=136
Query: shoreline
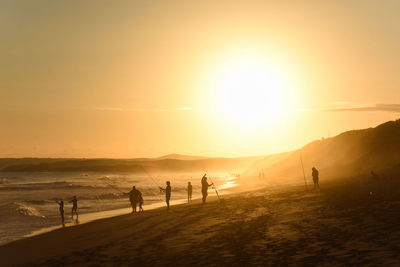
x=99, y=215
x=341, y=224
x=55, y=223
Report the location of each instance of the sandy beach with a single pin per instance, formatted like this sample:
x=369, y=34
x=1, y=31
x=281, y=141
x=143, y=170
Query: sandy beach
x=348, y=222
x=108, y=104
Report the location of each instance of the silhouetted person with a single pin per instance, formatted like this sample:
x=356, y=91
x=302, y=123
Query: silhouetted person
x=167, y=191
x=204, y=187
x=315, y=177
x=61, y=208
x=140, y=202
x=134, y=198
x=189, y=190
x=74, y=207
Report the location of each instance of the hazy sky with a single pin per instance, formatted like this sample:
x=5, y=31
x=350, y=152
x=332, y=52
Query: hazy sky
x=217, y=78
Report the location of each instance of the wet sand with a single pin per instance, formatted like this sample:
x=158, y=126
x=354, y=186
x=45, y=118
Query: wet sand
x=342, y=224
x=89, y=217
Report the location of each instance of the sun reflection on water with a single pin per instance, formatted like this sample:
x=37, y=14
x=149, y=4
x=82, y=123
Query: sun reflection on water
x=230, y=182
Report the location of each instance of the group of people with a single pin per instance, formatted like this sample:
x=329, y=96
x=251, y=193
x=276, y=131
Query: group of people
x=74, y=202
x=136, y=198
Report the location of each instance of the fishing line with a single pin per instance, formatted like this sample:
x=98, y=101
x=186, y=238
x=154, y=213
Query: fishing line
x=149, y=176
x=152, y=179
x=113, y=186
x=97, y=198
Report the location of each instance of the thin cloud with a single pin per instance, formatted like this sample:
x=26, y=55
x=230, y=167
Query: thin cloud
x=394, y=108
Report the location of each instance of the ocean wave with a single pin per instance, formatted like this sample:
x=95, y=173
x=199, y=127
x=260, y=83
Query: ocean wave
x=104, y=196
x=48, y=186
x=40, y=202
x=95, y=197
x=16, y=209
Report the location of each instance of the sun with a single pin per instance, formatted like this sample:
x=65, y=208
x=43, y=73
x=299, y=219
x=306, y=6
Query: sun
x=253, y=91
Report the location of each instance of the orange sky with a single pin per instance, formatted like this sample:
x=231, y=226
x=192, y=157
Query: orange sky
x=218, y=78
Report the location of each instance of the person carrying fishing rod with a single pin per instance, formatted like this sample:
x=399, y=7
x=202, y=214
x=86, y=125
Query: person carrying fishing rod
x=167, y=191
x=204, y=187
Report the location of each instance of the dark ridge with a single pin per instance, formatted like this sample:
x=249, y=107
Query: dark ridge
x=125, y=165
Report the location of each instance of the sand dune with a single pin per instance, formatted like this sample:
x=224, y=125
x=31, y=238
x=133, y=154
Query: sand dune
x=342, y=224
x=349, y=153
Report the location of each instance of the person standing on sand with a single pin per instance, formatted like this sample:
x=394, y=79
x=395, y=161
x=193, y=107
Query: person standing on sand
x=204, y=187
x=140, y=202
x=167, y=191
x=61, y=208
x=189, y=190
x=315, y=177
x=74, y=207
x=133, y=198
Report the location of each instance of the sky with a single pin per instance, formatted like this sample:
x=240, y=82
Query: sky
x=124, y=79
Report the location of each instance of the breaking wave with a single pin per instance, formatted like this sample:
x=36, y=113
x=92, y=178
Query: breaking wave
x=16, y=209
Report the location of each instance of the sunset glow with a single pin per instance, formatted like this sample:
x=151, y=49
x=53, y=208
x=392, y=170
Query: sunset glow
x=253, y=91
x=135, y=79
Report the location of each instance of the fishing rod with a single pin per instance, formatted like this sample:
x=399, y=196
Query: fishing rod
x=215, y=188
x=127, y=193
x=304, y=174
x=101, y=201
x=97, y=198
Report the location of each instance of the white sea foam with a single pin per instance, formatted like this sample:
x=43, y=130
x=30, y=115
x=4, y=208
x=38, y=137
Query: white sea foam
x=18, y=209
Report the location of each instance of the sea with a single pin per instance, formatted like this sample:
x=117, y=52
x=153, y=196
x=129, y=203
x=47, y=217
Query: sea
x=28, y=200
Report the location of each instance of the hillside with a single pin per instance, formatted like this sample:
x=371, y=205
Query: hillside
x=352, y=152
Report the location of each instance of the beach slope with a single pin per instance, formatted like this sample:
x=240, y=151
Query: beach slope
x=348, y=222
